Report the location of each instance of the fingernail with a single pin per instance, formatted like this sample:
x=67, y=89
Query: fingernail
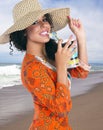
x=60, y=40
x=78, y=25
x=68, y=17
x=71, y=35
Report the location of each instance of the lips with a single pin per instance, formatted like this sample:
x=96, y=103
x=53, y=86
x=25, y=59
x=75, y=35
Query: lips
x=44, y=33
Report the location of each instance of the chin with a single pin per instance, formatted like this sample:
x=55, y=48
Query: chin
x=45, y=40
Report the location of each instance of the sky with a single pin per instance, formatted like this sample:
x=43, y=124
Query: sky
x=90, y=12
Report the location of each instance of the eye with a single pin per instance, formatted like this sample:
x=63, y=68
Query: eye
x=44, y=20
x=36, y=22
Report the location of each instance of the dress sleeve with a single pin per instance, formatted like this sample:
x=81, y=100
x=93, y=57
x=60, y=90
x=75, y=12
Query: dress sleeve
x=55, y=96
x=80, y=71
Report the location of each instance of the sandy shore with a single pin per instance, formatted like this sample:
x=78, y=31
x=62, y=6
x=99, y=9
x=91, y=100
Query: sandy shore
x=87, y=111
x=86, y=114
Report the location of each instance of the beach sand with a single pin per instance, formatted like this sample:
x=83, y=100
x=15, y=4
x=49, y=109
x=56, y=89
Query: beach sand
x=87, y=111
x=86, y=114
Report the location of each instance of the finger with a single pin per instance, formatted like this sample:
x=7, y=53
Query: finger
x=76, y=22
x=73, y=46
x=74, y=49
x=60, y=44
x=71, y=52
x=69, y=21
x=68, y=42
x=79, y=23
x=69, y=18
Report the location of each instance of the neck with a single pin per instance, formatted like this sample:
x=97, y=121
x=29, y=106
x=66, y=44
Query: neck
x=36, y=49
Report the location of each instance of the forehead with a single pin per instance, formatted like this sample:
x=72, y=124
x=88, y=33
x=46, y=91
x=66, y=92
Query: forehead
x=40, y=18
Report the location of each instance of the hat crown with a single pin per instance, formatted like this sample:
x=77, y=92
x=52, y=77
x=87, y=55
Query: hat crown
x=24, y=7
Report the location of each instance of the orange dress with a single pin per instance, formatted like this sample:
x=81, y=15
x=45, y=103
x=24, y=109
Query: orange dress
x=52, y=101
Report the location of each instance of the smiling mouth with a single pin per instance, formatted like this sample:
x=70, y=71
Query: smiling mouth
x=45, y=33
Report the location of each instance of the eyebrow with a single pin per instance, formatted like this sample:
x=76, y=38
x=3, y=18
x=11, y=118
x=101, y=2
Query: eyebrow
x=40, y=18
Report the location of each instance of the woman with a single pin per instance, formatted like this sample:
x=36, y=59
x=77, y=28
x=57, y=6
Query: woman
x=44, y=73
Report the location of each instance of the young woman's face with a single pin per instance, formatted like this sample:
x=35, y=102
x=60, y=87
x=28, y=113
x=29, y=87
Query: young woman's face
x=38, y=31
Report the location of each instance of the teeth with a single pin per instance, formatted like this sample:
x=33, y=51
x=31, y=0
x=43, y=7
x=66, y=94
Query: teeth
x=44, y=33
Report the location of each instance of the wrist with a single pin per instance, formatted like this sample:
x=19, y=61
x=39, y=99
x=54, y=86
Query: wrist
x=60, y=65
x=62, y=75
x=81, y=36
x=81, y=40
x=62, y=70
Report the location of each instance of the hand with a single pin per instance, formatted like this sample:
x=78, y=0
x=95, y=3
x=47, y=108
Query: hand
x=76, y=27
x=64, y=54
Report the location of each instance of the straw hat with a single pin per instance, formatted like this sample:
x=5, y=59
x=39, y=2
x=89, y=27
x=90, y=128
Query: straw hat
x=28, y=11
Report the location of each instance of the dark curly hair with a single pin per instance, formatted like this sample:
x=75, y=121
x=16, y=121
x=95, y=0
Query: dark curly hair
x=19, y=40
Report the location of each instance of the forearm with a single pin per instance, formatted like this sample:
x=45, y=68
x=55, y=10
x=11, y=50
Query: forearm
x=62, y=76
x=82, y=49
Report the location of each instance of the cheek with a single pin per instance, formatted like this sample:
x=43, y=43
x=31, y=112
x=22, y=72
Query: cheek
x=31, y=33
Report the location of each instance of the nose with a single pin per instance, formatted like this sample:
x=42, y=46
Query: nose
x=44, y=24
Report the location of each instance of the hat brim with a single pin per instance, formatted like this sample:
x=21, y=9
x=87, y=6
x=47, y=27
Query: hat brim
x=59, y=19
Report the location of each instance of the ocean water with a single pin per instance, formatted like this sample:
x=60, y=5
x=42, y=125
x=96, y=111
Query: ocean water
x=10, y=73
x=96, y=67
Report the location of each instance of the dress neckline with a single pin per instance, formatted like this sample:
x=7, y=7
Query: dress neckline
x=46, y=63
